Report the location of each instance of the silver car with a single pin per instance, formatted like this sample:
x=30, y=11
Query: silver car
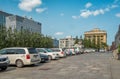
x=49, y=52
x=4, y=62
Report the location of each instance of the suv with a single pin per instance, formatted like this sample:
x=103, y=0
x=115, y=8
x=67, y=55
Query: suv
x=21, y=56
x=4, y=62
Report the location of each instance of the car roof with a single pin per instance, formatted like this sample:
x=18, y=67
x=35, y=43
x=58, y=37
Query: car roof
x=18, y=47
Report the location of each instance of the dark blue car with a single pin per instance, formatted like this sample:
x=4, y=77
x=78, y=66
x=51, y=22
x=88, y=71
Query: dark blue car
x=44, y=58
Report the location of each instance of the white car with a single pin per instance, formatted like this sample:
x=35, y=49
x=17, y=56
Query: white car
x=21, y=56
x=59, y=51
x=72, y=51
x=49, y=52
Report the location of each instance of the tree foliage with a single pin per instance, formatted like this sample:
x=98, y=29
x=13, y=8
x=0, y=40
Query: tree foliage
x=23, y=38
x=92, y=44
x=76, y=40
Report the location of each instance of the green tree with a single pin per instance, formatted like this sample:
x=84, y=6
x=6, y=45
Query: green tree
x=76, y=40
x=23, y=38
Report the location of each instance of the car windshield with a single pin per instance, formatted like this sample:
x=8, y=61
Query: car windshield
x=49, y=50
x=2, y=51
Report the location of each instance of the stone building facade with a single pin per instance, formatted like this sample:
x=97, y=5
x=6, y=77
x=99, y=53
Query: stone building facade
x=96, y=34
x=67, y=42
x=117, y=37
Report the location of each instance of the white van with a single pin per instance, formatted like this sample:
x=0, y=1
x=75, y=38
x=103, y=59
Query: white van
x=21, y=56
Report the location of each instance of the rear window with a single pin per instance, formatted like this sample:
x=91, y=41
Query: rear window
x=20, y=51
x=32, y=50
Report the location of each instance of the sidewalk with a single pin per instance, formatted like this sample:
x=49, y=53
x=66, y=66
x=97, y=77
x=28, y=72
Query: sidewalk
x=115, y=68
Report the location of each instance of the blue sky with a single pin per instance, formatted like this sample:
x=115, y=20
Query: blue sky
x=61, y=18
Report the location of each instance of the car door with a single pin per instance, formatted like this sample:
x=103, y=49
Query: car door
x=11, y=55
x=20, y=54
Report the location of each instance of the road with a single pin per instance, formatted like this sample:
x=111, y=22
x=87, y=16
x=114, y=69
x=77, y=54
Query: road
x=84, y=66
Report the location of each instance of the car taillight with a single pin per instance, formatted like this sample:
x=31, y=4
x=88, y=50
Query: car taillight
x=28, y=56
x=62, y=53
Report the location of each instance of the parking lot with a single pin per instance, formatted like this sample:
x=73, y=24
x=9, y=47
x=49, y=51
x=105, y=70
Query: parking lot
x=84, y=66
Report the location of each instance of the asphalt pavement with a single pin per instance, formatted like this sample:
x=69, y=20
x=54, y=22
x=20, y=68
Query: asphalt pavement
x=84, y=66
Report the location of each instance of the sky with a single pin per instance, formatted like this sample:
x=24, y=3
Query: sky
x=61, y=18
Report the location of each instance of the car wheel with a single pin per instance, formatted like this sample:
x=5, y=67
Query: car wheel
x=4, y=68
x=19, y=63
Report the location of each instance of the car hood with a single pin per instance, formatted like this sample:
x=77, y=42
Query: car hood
x=1, y=56
x=43, y=55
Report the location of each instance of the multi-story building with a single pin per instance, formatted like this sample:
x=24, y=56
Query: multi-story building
x=96, y=35
x=19, y=23
x=117, y=38
x=67, y=42
x=3, y=16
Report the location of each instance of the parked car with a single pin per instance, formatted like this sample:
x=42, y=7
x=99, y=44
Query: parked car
x=44, y=58
x=21, y=56
x=68, y=52
x=72, y=51
x=102, y=50
x=77, y=50
x=59, y=51
x=49, y=52
x=4, y=62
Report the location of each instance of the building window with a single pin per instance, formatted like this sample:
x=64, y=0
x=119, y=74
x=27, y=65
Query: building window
x=21, y=27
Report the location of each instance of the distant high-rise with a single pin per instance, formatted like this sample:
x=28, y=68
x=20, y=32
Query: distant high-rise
x=18, y=22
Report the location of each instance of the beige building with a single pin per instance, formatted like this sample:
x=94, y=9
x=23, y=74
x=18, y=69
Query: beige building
x=97, y=35
x=67, y=42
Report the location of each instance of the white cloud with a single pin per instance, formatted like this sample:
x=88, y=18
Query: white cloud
x=118, y=15
x=28, y=5
x=107, y=9
x=88, y=5
x=59, y=33
x=95, y=13
x=62, y=14
x=114, y=6
x=75, y=17
x=40, y=10
x=87, y=13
